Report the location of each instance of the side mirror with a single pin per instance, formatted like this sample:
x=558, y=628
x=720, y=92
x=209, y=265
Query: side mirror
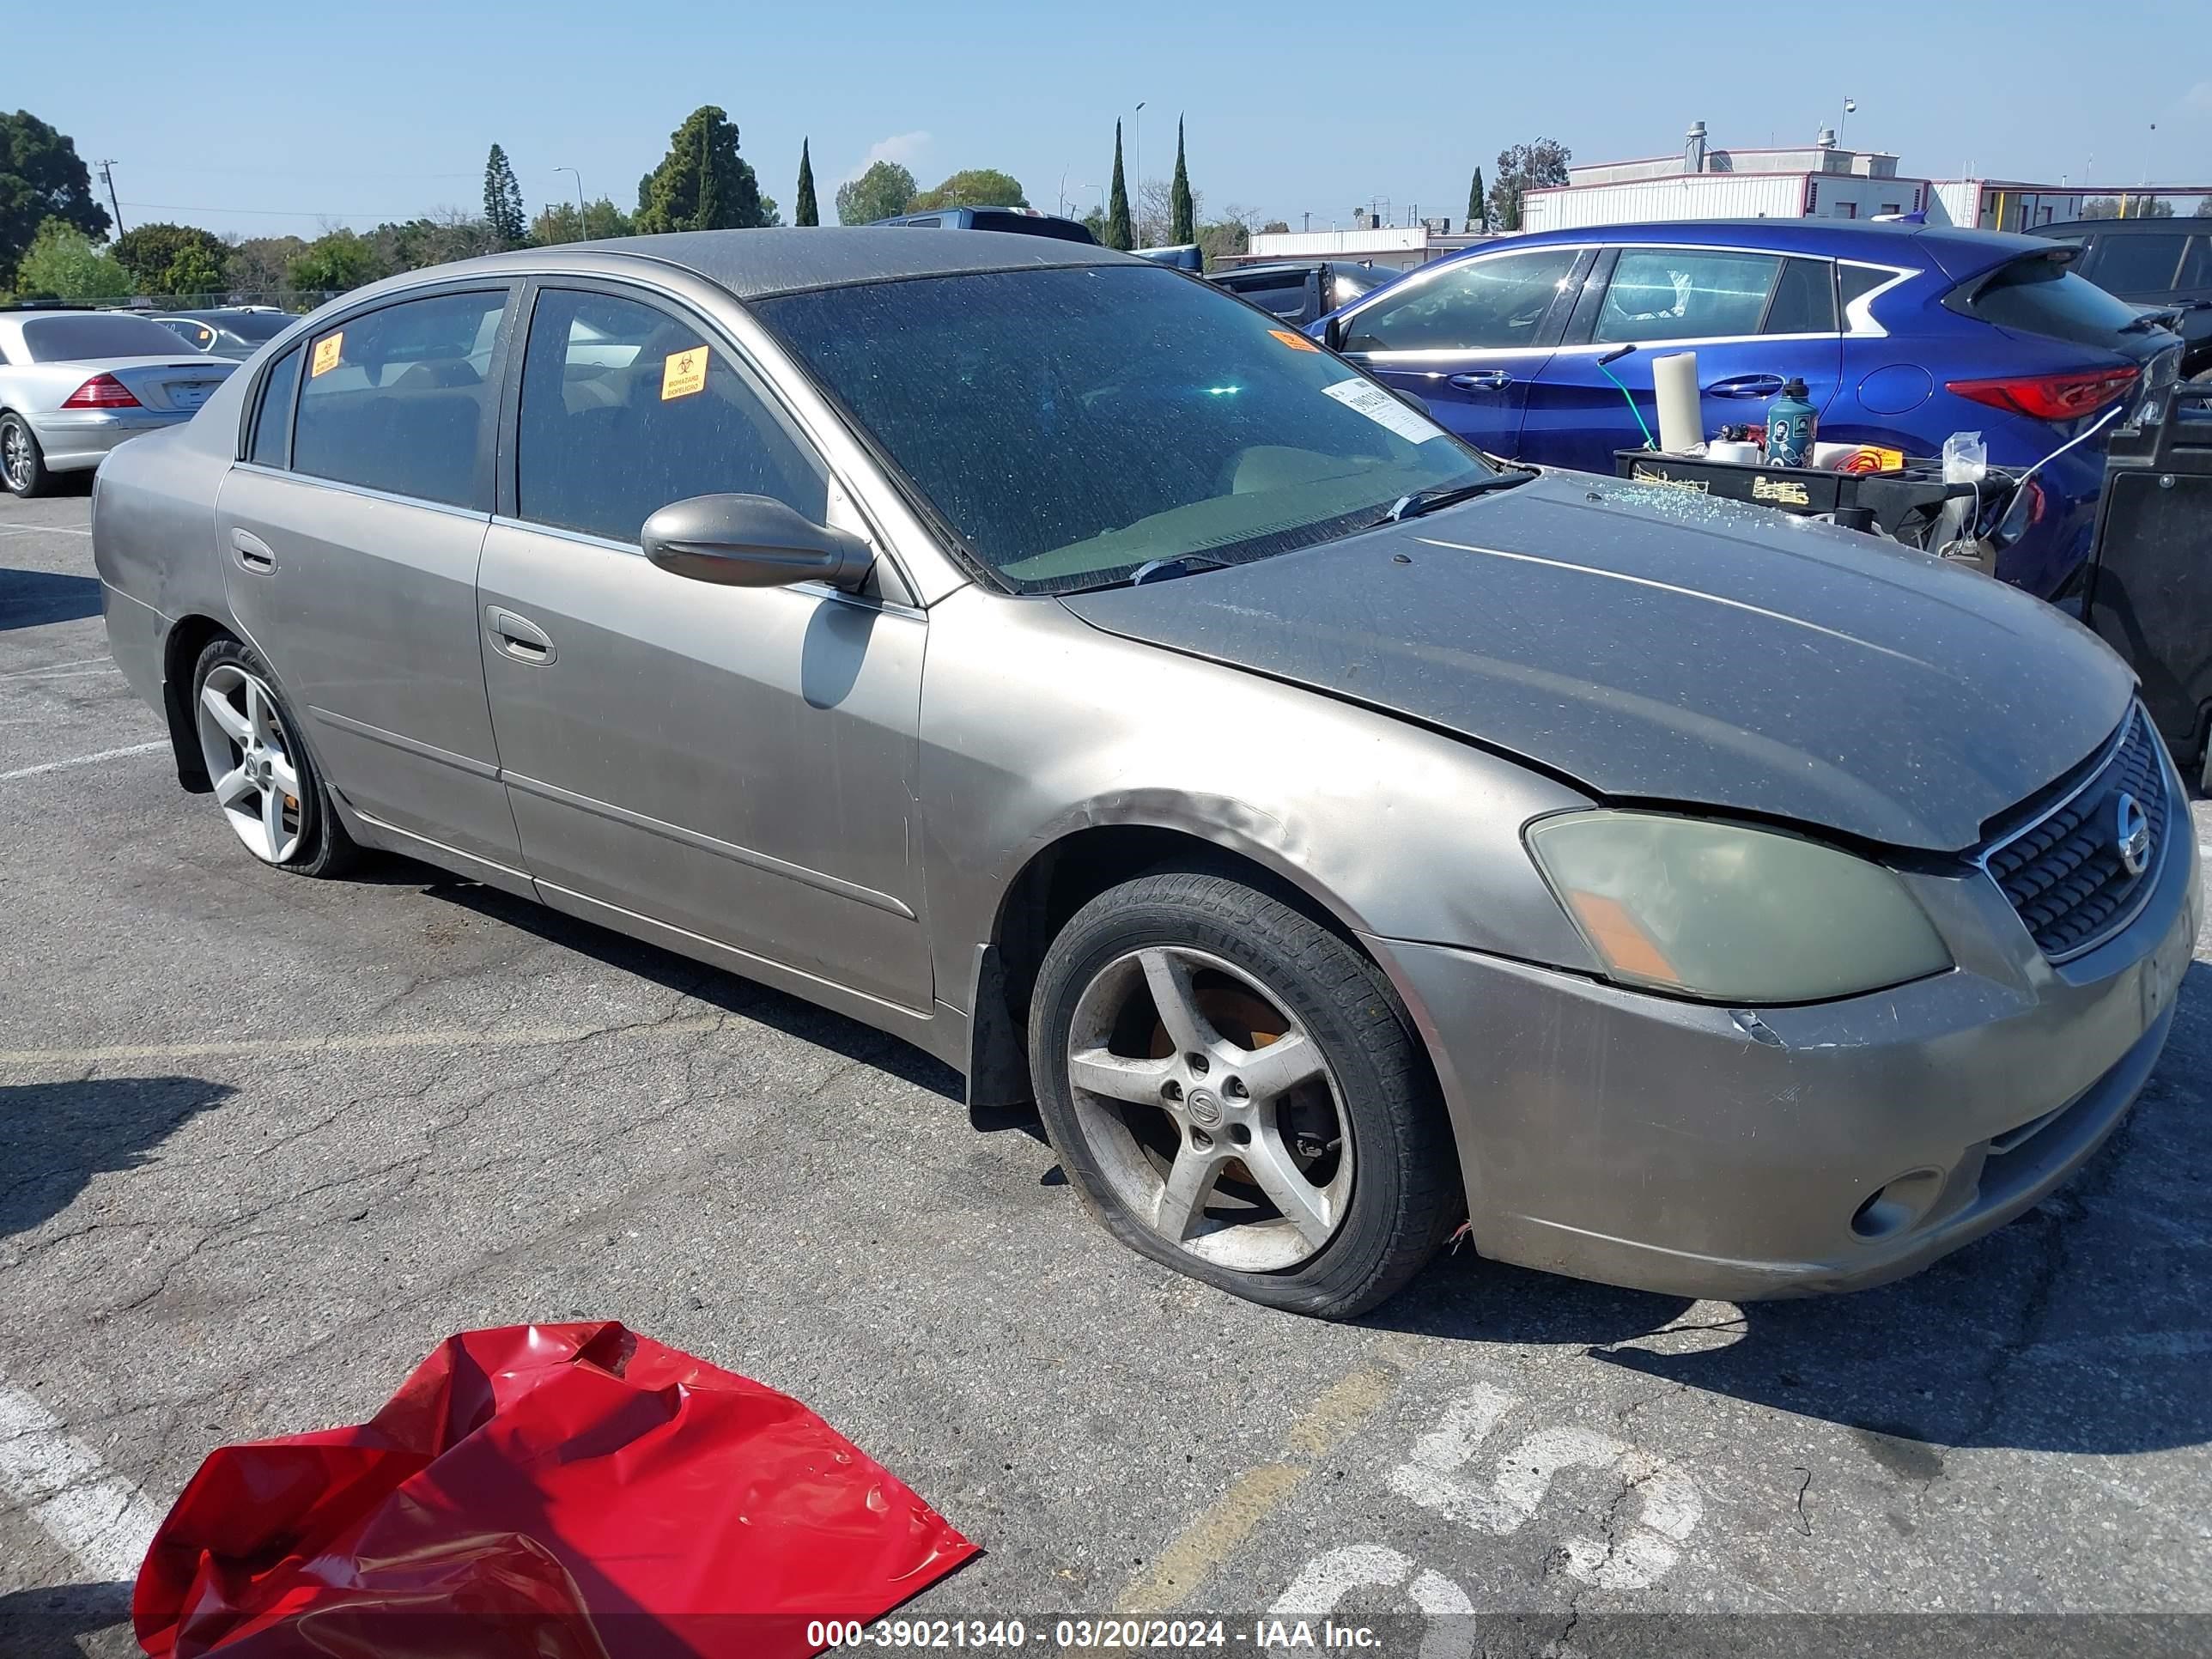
x=751, y=541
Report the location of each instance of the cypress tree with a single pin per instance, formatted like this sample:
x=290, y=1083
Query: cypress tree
x=1185, y=230
x=1118, y=233
x=806, y=213
x=1478, y=209
x=503, y=200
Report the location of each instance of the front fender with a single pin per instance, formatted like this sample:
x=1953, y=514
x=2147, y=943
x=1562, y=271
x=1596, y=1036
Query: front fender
x=1036, y=726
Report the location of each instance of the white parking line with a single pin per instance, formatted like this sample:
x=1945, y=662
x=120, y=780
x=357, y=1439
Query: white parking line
x=103, y=1521
x=41, y=529
x=63, y=669
x=81, y=760
x=517, y=1036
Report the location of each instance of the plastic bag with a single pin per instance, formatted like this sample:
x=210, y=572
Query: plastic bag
x=558, y=1491
x=1965, y=459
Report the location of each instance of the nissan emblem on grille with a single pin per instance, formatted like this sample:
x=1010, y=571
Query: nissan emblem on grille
x=2132, y=833
x=2079, y=873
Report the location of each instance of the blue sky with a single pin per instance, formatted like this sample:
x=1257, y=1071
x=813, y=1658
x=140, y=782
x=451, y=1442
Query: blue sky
x=297, y=114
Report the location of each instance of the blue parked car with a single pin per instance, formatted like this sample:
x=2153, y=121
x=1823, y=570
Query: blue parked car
x=1902, y=333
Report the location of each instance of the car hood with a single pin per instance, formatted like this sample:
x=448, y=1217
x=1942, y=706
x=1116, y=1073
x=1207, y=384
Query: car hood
x=1655, y=645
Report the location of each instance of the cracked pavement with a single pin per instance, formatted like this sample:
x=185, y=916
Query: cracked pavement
x=349, y=1119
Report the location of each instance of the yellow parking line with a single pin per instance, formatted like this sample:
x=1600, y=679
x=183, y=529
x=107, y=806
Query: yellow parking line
x=1179, y=1570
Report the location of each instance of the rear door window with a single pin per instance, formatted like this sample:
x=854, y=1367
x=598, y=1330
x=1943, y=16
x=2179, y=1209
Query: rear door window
x=2038, y=295
x=627, y=407
x=1485, y=305
x=1804, y=300
x=272, y=424
x=1684, y=294
x=2149, y=263
x=397, y=400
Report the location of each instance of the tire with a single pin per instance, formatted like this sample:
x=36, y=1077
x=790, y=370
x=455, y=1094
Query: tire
x=1267, y=992
x=22, y=464
x=249, y=741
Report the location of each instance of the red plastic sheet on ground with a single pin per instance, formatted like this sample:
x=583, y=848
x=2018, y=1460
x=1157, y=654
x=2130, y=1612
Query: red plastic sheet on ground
x=562, y=1491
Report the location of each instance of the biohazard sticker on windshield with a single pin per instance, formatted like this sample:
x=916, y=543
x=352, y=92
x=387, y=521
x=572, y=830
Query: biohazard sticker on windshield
x=683, y=373
x=1385, y=410
x=1296, y=342
x=326, y=354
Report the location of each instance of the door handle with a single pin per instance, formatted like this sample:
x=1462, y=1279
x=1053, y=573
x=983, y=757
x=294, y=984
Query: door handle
x=519, y=637
x=253, y=554
x=1483, y=379
x=1745, y=385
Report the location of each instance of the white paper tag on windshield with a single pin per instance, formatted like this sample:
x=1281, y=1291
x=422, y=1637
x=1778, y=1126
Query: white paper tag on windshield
x=1385, y=410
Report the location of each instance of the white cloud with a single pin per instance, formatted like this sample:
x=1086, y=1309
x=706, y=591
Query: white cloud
x=904, y=148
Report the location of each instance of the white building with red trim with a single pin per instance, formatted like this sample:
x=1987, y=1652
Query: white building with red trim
x=1819, y=180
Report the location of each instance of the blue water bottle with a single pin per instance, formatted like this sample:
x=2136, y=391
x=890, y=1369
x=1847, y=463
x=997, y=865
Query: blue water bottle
x=1790, y=419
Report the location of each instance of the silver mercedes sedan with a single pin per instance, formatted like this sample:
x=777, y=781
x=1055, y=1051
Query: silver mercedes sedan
x=1049, y=659
x=75, y=383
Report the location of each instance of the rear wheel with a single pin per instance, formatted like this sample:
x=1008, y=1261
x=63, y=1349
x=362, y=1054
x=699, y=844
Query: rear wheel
x=22, y=463
x=1235, y=1091
x=266, y=781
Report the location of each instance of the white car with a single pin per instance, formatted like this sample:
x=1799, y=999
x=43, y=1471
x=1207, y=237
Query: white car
x=75, y=383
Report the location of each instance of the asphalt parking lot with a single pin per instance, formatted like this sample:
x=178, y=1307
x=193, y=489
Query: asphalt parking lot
x=268, y=1141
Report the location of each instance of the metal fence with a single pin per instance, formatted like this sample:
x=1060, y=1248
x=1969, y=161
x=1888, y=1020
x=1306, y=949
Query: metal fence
x=299, y=302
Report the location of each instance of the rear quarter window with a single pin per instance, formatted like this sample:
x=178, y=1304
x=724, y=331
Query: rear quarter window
x=2038, y=295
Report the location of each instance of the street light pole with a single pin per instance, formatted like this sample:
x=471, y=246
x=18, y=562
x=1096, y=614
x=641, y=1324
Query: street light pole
x=1137, y=151
x=1849, y=104
x=580, y=196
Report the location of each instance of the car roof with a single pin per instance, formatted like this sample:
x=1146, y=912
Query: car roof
x=1834, y=239
x=1275, y=268
x=2199, y=224
x=756, y=264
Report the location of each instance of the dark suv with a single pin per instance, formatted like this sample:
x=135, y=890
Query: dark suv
x=1025, y=221
x=2165, y=263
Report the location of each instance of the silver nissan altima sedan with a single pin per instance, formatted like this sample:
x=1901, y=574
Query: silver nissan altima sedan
x=1041, y=655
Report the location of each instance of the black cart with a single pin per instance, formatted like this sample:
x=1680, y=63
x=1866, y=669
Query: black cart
x=1902, y=505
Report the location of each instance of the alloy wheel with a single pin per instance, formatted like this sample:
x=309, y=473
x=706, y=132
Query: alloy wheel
x=250, y=757
x=1210, y=1109
x=15, y=455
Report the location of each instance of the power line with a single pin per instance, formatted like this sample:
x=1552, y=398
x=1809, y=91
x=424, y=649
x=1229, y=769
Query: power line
x=271, y=213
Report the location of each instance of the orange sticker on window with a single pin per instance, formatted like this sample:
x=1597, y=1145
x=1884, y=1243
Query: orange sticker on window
x=1296, y=342
x=683, y=373
x=327, y=350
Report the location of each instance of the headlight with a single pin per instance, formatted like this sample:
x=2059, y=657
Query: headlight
x=1730, y=914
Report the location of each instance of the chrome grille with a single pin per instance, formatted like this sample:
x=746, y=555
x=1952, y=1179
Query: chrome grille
x=2064, y=874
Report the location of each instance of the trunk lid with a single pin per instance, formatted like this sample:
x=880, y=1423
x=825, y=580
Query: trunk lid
x=172, y=385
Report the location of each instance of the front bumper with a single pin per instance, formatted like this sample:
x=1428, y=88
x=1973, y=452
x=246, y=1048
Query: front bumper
x=1705, y=1151
x=72, y=439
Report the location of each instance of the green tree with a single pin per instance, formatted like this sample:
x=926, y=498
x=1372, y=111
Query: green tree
x=1525, y=167
x=1118, y=233
x=1478, y=205
x=601, y=221
x=194, y=271
x=1184, y=227
x=41, y=177
x=807, y=213
x=702, y=183
x=972, y=187
x=260, y=265
x=336, y=261
x=148, y=252
x=770, y=213
x=62, y=263
x=881, y=193
x=503, y=200
x=1094, y=220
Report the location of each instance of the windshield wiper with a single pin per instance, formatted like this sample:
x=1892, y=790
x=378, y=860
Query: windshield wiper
x=1159, y=570
x=1442, y=495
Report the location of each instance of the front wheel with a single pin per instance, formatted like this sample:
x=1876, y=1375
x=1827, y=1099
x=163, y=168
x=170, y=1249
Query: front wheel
x=1234, y=1090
